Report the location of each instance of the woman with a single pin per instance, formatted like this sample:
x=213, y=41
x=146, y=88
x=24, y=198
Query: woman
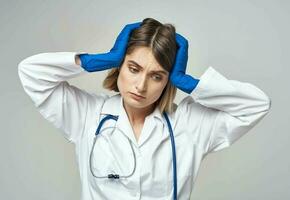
x=148, y=63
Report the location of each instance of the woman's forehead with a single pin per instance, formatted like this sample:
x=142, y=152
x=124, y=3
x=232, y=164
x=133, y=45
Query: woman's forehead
x=143, y=57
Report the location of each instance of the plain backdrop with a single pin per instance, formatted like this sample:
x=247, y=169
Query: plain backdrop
x=242, y=39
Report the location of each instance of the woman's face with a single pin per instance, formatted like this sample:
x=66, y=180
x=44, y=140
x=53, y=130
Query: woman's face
x=140, y=74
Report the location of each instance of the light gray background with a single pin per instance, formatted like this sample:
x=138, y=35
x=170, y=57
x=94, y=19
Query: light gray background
x=243, y=40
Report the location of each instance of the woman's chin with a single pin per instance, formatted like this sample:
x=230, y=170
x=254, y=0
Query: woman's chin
x=133, y=103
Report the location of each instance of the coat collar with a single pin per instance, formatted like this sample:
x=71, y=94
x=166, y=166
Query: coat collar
x=114, y=104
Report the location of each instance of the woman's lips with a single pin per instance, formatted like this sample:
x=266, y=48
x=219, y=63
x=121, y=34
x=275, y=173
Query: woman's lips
x=137, y=97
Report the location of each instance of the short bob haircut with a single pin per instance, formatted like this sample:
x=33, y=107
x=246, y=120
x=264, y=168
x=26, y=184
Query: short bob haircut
x=161, y=39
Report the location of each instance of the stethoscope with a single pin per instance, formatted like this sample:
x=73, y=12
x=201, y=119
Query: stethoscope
x=117, y=176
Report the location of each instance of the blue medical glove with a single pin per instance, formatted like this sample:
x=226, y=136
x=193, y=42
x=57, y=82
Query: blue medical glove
x=177, y=75
x=114, y=58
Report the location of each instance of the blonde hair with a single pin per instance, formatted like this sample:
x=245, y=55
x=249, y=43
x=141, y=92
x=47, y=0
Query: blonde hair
x=161, y=39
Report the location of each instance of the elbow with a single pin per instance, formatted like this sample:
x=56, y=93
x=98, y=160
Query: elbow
x=264, y=102
x=25, y=65
x=267, y=104
x=265, y=108
x=259, y=111
x=21, y=65
x=24, y=72
x=20, y=69
x=28, y=61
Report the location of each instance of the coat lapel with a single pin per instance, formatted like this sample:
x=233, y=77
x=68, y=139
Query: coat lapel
x=114, y=106
x=149, y=126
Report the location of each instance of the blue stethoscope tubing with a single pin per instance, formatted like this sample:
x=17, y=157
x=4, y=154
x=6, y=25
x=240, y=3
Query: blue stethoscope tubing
x=116, y=176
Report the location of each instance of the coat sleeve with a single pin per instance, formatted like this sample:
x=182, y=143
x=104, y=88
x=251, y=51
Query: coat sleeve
x=44, y=78
x=223, y=109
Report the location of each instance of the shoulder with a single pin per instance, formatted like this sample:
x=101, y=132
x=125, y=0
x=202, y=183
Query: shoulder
x=188, y=105
x=95, y=106
x=188, y=110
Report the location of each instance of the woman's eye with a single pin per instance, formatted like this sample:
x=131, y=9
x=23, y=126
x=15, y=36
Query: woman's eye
x=157, y=77
x=133, y=70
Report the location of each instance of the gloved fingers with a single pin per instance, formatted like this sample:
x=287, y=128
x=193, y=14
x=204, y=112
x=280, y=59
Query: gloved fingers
x=113, y=58
x=181, y=57
x=123, y=37
x=129, y=27
x=181, y=41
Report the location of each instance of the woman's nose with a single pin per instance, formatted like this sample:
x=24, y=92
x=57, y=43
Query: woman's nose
x=141, y=84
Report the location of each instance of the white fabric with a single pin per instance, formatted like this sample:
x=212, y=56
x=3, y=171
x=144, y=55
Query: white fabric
x=217, y=113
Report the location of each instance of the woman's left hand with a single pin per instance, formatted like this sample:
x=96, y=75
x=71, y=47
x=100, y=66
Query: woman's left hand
x=177, y=76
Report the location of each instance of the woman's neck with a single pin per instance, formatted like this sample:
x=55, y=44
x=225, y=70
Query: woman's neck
x=138, y=115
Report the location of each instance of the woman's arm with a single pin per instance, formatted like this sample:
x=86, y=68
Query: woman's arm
x=77, y=60
x=223, y=109
x=44, y=78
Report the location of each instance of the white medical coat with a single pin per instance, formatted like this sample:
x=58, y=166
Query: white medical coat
x=217, y=113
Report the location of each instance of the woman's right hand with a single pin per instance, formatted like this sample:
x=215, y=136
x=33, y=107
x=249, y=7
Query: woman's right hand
x=114, y=58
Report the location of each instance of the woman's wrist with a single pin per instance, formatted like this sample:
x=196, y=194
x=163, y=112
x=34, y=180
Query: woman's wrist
x=77, y=60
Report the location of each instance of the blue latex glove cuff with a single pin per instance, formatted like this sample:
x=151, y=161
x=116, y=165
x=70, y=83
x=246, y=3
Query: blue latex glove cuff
x=98, y=62
x=186, y=83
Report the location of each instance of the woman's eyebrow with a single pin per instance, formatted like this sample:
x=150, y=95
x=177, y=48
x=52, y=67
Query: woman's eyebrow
x=154, y=71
